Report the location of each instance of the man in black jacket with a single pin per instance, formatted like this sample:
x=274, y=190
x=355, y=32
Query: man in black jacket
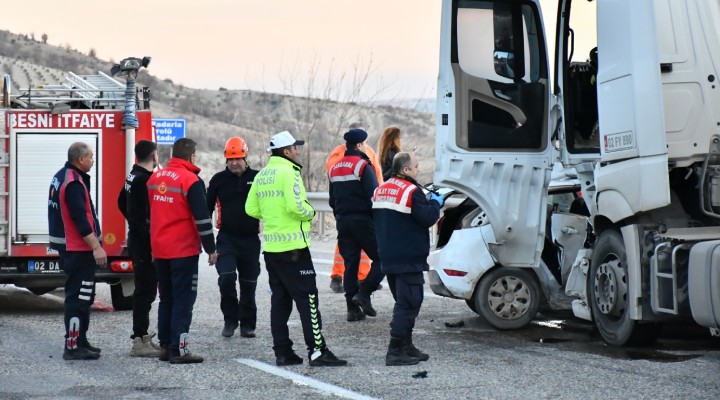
x=133, y=203
x=238, y=243
x=402, y=217
x=352, y=182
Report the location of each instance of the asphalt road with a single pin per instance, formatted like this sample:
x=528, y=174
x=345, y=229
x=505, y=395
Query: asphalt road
x=554, y=358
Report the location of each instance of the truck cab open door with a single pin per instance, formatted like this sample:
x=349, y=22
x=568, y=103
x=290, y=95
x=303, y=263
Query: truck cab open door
x=493, y=137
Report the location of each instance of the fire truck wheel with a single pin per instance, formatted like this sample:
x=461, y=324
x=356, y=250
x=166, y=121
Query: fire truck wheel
x=39, y=291
x=120, y=302
x=607, y=288
x=508, y=298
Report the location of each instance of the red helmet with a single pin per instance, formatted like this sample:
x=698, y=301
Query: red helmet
x=235, y=147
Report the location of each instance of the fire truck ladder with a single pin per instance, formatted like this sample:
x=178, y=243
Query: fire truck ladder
x=100, y=86
x=4, y=166
x=99, y=90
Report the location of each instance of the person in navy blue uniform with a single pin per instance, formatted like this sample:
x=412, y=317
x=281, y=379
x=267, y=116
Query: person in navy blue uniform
x=352, y=182
x=403, y=215
x=75, y=233
x=238, y=243
x=133, y=204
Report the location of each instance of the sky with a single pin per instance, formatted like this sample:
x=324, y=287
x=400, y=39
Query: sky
x=253, y=44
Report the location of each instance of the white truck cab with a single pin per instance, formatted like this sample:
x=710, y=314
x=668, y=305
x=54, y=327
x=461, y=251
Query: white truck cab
x=638, y=122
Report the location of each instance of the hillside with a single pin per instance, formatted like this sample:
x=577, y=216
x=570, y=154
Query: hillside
x=214, y=115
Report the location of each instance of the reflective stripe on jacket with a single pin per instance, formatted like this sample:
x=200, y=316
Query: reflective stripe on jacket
x=352, y=185
x=402, y=216
x=339, y=152
x=277, y=196
x=179, y=219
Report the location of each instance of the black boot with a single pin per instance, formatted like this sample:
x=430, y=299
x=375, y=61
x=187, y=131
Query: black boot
x=354, y=313
x=88, y=346
x=396, y=355
x=413, y=351
x=229, y=328
x=80, y=353
x=362, y=300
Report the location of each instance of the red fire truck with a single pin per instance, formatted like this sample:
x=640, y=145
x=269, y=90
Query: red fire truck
x=37, y=125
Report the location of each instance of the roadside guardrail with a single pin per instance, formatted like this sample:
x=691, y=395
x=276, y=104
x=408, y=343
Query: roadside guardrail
x=320, y=202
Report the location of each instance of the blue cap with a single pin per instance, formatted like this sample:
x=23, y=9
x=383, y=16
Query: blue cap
x=355, y=136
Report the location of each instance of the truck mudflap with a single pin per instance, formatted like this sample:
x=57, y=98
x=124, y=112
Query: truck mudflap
x=457, y=267
x=704, y=283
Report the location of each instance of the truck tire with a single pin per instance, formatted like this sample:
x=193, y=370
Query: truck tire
x=120, y=302
x=508, y=298
x=607, y=289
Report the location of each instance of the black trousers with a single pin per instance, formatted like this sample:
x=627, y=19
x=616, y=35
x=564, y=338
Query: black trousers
x=292, y=278
x=79, y=268
x=145, y=285
x=238, y=260
x=407, y=290
x=356, y=232
x=177, y=284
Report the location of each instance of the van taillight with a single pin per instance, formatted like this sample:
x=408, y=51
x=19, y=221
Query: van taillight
x=453, y=272
x=121, y=266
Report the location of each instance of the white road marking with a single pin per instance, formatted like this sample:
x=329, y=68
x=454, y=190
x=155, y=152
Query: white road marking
x=304, y=380
x=322, y=261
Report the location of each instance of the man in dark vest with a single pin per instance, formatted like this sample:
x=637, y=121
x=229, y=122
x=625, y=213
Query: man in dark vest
x=75, y=233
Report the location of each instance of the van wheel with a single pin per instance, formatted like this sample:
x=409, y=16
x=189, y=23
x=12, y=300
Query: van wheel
x=607, y=289
x=508, y=298
x=120, y=302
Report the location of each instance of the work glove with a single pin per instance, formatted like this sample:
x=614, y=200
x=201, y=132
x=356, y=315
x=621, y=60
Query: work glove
x=437, y=197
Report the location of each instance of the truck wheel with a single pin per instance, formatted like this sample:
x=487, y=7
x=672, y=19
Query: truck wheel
x=508, y=298
x=120, y=302
x=608, y=294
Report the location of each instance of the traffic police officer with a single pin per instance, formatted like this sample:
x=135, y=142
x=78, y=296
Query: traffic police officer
x=238, y=244
x=277, y=196
x=352, y=182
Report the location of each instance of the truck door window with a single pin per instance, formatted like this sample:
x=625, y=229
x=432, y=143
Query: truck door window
x=580, y=87
x=503, y=74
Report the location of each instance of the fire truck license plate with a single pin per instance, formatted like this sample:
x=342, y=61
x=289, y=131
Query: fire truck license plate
x=43, y=266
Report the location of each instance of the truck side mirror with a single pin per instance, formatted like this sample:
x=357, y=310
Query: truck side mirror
x=504, y=62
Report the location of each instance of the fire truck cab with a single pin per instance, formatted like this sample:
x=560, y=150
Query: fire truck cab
x=37, y=126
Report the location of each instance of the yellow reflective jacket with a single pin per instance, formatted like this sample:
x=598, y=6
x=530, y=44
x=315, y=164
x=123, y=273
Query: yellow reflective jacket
x=277, y=197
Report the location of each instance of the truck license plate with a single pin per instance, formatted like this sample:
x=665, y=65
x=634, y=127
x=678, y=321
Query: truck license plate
x=619, y=142
x=44, y=266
